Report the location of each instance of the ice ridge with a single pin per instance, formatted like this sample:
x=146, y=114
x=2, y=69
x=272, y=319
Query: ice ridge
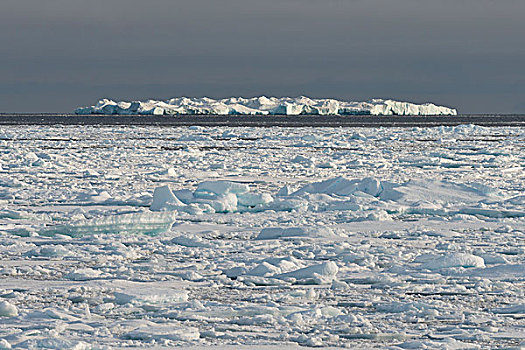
x=263, y=106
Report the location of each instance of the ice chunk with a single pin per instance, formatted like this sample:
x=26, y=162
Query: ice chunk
x=147, y=223
x=343, y=187
x=252, y=200
x=84, y=274
x=399, y=307
x=452, y=260
x=7, y=309
x=264, y=269
x=54, y=342
x=220, y=187
x=286, y=264
x=302, y=160
x=320, y=273
x=195, y=242
x=152, y=331
x=235, y=272
x=224, y=203
x=516, y=309
x=338, y=285
x=184, y=195
x=163, y=197
x=284, y=191
x=54, y=251
x=277, y=232
x=435, y=191
x=150, y=295
x=94, y=197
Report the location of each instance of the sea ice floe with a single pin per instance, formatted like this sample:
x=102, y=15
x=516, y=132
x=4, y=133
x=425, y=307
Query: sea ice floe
x=144, y=296
x=343, y=187
x=154, y=331
x=53, y=342
x=195, y=242
x=307, y=232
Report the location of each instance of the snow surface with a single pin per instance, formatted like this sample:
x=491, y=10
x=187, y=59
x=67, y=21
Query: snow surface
x=126, y=237
x=264, y=106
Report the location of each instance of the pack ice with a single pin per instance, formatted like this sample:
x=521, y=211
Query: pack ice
x=264, y=106
x=134, y=237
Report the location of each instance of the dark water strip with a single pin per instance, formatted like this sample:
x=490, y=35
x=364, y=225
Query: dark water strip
x=263, y=121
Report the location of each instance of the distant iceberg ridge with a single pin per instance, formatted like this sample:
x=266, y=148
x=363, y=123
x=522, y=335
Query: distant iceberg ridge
x=263, y=106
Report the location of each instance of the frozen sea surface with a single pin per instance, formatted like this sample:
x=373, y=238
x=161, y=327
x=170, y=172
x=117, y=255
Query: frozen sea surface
x=401, y=238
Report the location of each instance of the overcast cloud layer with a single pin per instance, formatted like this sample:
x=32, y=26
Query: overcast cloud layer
x=60, y=54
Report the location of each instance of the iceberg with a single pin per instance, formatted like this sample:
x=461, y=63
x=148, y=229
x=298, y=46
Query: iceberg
x=263, y=105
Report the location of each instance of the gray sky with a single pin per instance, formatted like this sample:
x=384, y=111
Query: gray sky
x=60, y=54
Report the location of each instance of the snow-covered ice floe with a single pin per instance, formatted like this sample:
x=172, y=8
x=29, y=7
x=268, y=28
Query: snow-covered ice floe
x=264, y=106
x=219, y=237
